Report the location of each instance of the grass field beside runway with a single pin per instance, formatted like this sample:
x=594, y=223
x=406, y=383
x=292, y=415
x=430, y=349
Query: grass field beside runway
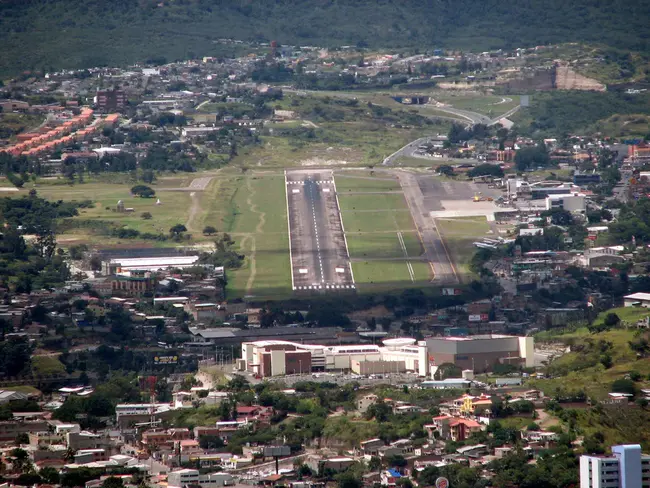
x=379, y=201
x=380, y=221
x=391, y=273
x=459, y=235
x=383, y=245
x=365, y=184
x=380, y=233
x=252, y=209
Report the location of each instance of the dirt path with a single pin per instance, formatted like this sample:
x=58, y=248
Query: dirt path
x=259, y=229
x=544, y=420
x=195, y=208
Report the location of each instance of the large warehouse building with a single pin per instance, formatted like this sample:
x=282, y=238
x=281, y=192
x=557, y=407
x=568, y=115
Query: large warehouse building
x=478, y=353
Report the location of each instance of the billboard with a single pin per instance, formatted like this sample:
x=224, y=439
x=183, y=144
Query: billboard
x=276, y=451
x=451, y=291
x=165, y=359
x=482, y=317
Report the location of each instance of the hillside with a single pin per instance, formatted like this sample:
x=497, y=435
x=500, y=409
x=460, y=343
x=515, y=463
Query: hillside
x=44, y=34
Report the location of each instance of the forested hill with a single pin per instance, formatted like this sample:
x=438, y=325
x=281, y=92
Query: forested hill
x=40, y=34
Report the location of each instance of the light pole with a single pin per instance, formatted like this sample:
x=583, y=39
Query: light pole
x=300, y=364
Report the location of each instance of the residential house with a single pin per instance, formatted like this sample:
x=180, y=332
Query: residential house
x=364, y=402
x=390, y=477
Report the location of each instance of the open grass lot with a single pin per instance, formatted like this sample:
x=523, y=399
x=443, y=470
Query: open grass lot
x=339, y=129
x=383, y=245
x=632, y=125
x=459, y=234
x=491, y=105
x=391, y=274
x=381, y=221
x=175, y=207
x=584, y=369
x=350, y=183
x=257, y=219
x=386, y=201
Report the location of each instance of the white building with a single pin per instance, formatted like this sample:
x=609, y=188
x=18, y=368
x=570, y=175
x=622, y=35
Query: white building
x=637, y=300
x=124, y=409
x=626, y=468
x=571, y=203
x=122, y=265
x=339, y=358
x=184, y=477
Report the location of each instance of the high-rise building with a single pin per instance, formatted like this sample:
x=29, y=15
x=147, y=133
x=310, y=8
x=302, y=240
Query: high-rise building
x=110, y=100
x=626, y=468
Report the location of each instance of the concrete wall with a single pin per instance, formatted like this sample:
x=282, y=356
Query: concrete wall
x=278, y=363
x=297, y=362
x=377, y=367
x=527, y=350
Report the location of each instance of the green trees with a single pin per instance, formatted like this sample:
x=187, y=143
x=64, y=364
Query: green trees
x=623, y=386
x=177, y=230
x=209, y=230
x=143, y=191
x=445, y=170
x=113, y=482
x=486, y=170
x=532, y=157
x=224, y=253
x=15, y=356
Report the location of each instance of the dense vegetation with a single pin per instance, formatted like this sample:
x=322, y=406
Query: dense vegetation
x=560, y=113
x=74, y=33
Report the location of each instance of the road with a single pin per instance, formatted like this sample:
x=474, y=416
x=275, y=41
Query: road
x=319, y=253
x=473, y=118
x=434, y=247
x=405, y=151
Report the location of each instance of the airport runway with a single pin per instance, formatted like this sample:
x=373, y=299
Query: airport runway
x=319, y=254
x=434, y=247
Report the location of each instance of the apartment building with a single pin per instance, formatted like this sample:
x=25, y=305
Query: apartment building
x=626, y=468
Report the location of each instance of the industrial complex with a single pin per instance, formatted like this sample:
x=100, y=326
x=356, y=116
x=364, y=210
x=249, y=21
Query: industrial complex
x=476, y=353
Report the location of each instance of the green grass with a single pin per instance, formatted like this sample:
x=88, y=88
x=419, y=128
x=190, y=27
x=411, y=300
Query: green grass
x=632, y=125
x=383, y=245
x=174, y=209
x=355, y=222
x=386, y=201
x=365, y=184
x=583, y=367
x=24, y=389
x=258, y=221
x=477, y=102
x=459, y=234
x=15, y=123
x=393, y=273
x=43, y=366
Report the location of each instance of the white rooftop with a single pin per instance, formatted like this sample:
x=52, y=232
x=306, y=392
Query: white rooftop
x=158, y=261
x=638, y=296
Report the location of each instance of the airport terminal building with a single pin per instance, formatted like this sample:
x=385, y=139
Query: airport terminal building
x=477, y=353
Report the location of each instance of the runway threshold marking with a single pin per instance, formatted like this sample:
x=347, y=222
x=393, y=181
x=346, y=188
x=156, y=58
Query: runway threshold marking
x=417, y=229
x=409, y=267
x=320, y=258
x=345, y=239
